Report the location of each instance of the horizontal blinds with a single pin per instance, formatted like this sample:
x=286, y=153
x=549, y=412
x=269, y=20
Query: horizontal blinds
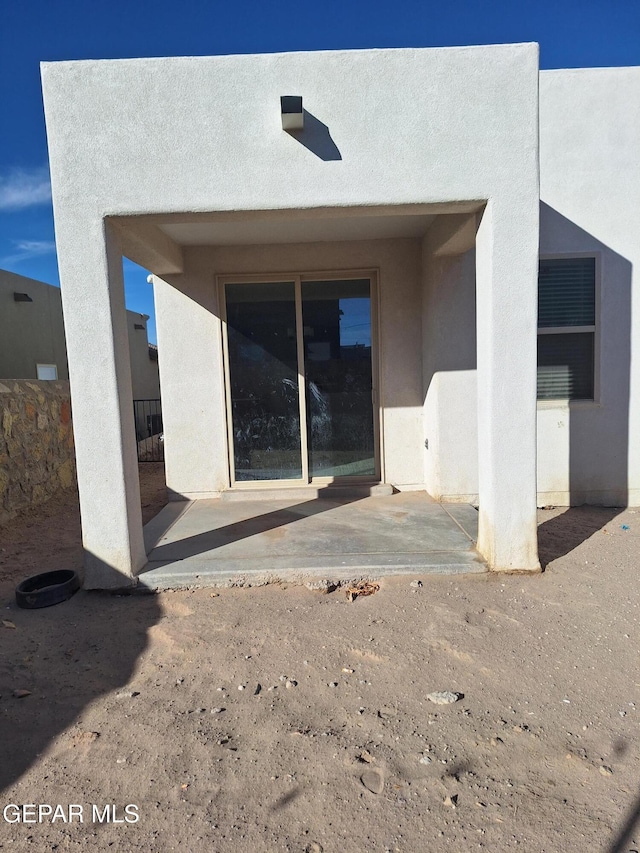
x=566, y=366
x=567, y=292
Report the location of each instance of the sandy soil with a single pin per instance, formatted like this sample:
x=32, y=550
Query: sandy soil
x=48, y=536
x=135, y=700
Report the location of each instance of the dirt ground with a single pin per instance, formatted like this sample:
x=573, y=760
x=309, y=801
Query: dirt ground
x=48, y=536
x=281, y=719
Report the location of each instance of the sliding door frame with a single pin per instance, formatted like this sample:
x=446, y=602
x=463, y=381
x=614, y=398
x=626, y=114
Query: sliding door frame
x=298, y=278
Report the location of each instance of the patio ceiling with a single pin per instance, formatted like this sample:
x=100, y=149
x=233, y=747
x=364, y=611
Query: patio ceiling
x=156, y=241
x=302, y=230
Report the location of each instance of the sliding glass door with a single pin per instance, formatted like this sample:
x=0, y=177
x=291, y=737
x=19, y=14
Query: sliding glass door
x=300, y=380
x=338, y=378
x=264, y=381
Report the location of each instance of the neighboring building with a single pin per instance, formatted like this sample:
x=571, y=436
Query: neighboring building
x=144, y=359
x=32, y=341
x=357, y=300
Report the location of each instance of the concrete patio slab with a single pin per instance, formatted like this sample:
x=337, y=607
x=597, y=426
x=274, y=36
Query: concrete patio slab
x=217, y=542
x=465, y=515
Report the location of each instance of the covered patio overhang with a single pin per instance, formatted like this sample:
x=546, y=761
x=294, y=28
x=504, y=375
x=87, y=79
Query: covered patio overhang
x=184, y=165
x=158, y=241
x=189, y=542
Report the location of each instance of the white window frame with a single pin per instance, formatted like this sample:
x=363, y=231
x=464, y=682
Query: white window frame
x=557, y=330
x=54, y=366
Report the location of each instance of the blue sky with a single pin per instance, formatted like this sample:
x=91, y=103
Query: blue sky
x=571, y=33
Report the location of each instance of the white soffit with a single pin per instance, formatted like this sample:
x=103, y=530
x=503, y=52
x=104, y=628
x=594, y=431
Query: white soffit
x=298, y=230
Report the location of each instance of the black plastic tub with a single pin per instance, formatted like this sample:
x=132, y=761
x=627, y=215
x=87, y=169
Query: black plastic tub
x=47, y=589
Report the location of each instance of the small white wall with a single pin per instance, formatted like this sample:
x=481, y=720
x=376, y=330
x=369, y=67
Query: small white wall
x=589, y=188
x=191, y=370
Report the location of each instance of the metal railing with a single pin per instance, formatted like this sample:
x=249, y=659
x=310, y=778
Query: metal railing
x=149, y=438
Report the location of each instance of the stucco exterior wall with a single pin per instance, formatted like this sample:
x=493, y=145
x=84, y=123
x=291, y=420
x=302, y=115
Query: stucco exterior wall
x=220, y=144
x=588, y=452
x=196, y=444
x=589, y=188
x=31, y=333
x=449, y=374
x=414, y=128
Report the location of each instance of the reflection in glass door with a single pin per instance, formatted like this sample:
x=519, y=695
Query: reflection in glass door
x=338, y=378
x=263, y=381
x=300, y=380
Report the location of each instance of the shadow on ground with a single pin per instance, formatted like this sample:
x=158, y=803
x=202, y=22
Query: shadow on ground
x=625, y=835
x=561, y=534
x=218, y=537
x=67, y=656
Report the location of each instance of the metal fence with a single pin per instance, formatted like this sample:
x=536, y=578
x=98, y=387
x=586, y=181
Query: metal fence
x=149, y=437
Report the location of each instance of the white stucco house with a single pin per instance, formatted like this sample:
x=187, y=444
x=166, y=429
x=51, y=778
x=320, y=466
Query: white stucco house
x=355, y=300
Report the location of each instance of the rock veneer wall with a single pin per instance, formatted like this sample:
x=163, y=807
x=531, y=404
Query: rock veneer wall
x=36, y=443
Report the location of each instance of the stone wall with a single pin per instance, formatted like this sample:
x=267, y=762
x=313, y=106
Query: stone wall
x=36, y=443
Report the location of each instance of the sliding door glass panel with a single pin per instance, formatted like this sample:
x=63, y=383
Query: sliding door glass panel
x=338, y=375
x=263, y=380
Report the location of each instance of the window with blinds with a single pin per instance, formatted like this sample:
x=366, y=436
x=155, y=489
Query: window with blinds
x=566, y=328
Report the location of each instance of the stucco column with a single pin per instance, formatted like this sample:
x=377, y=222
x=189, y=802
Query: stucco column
x=100, y=376
x=506, y=276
